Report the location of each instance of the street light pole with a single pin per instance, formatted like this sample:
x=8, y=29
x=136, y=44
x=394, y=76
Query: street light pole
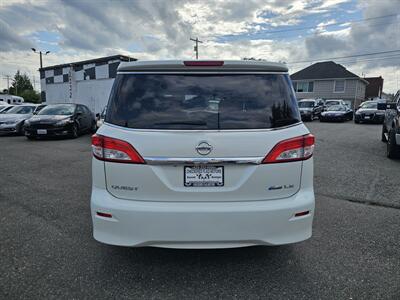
x=40, y=54
x=196, y=48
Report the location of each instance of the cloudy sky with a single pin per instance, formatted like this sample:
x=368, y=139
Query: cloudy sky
x=297, y=32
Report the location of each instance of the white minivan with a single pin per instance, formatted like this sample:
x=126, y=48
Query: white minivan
x=202, y=154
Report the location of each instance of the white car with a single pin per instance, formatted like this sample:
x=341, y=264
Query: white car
x=202, y=154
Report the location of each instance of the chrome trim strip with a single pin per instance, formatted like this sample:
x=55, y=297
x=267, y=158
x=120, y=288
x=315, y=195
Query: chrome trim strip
x=159, y=160
x=202, y=130
x=202, y=72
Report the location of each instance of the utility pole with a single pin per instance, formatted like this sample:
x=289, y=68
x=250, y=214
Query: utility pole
x=7, y=77
x=196, y=48
x=40, y=54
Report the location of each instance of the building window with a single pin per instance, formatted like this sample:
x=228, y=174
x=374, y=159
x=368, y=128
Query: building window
x=339, y=86
x=304, y=86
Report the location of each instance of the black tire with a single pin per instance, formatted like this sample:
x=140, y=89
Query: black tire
x=31, y=138
x=21, y=130
x=392, y=150
x=311, y=118
x=321, y=120
x=383, y=136
x=356, y=121
x=74, y=131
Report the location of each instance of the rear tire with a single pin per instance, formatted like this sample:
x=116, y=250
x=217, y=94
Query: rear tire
x=392, y=150
x=31, y=138
x=356, y=121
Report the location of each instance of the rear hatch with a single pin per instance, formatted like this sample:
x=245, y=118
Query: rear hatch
x=202, y=136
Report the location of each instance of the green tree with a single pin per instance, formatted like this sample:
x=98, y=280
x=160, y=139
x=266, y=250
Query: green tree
x=20, y=84
x=31, y=96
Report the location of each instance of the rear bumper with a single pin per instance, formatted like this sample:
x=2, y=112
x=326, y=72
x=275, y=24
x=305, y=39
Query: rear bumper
x=201, y=224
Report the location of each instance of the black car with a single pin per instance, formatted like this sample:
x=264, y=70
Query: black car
x=391, y=126
x=337, y=113
x=65, y=119
x=369, y=112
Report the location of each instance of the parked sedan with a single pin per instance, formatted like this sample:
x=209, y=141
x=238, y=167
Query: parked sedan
x=369, y=112
x=310, y=109
x=332, y=102
x=337, y=113
x=13, y=120
x=61, y=120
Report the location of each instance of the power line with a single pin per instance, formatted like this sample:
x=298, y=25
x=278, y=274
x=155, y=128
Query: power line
x=329, y=25
x=348, y=56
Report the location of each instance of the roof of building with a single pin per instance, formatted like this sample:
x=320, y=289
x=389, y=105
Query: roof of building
x=207, y=65
x=324, y=70
x=91, y=61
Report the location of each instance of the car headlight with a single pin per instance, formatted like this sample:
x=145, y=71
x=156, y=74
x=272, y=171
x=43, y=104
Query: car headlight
x=64, y=122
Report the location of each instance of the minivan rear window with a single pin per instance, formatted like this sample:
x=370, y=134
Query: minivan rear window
x=202, y=101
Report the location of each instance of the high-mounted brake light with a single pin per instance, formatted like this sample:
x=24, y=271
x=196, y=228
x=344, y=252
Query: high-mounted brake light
x=294, y=149
x=115, y=150
x=202, y=63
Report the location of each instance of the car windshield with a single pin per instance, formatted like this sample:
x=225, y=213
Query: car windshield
x=336, y=108
x=21, y=110
x=329, y=103
x=370, y=105
x=58, y=109
x=305, y=104
x=202, y=101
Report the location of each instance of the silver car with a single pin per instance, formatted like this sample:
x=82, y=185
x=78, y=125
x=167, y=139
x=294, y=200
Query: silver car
x=13, y=120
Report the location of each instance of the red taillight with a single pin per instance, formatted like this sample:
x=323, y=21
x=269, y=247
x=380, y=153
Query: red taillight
x=303, y=213
x=294, y=149
x=202, y=63
x=104, y=215
x=110, y=149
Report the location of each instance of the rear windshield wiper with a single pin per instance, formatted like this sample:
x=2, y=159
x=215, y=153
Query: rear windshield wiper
x=198, y=123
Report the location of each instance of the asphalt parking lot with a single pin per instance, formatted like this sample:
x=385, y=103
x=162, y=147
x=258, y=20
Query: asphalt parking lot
x=47, y=250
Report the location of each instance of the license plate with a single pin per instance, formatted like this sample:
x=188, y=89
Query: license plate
x=367, y=117
x=204, y=176
x=41, y=131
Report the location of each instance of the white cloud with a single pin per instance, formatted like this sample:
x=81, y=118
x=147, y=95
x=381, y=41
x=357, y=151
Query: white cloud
x=161, y=30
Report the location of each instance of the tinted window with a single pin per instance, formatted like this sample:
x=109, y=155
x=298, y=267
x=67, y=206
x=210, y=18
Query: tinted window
x=370, y=105
x=21, y=110
x=202, y=101
x=336, y=108
x=58, y=109
x=329, y=103
x=306, y=104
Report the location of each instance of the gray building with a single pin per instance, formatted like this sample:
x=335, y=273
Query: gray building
x=329, y=80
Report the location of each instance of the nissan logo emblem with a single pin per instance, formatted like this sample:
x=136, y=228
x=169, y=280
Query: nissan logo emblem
x=204, y=148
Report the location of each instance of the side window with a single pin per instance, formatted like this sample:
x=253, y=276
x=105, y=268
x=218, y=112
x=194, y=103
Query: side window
x=79, y=109
x=339, y=86
x=86, y=110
